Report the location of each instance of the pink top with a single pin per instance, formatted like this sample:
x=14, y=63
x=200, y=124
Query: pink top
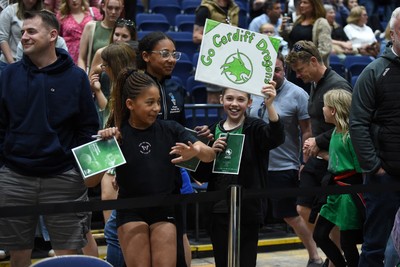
x=55, y=4
x=71, y=30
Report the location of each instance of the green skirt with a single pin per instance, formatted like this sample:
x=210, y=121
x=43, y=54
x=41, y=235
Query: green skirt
x=342, y=211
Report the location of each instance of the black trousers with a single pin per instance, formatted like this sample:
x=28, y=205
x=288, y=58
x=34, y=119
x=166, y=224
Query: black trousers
x=219, y=231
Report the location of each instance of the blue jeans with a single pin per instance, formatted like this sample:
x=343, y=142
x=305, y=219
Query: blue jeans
x=114, y=252
x=381, y=209
x=391, y=256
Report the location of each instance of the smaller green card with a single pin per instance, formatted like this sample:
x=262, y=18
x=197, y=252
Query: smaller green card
x=193, y=163
x=98, y=156
x=228, y=161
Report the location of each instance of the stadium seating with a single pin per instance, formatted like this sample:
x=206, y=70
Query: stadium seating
x=338, y=68
x=354, y=80
x=183, y=67
x=152, y=22
x=189, y=6
x=184, y=42
x=202, y=114
x=355, y=70
x=184, y=22
x=169, y=8
x=196, y=90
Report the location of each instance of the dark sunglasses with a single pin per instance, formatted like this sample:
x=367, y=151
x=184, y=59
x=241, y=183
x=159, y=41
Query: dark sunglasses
x=299, y=48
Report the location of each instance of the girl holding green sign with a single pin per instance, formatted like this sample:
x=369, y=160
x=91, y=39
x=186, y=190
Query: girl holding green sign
x=259, y=138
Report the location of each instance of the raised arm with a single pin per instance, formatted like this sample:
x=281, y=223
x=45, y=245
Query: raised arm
x=84, y=45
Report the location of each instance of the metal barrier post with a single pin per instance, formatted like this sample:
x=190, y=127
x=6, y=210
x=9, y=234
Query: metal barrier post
x=234, y=226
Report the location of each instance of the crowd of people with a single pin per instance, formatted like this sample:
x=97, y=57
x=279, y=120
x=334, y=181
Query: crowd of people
x=76, y=69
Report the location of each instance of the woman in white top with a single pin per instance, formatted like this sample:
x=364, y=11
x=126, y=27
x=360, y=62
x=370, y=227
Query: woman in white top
x=361, y=36
x=10, y=28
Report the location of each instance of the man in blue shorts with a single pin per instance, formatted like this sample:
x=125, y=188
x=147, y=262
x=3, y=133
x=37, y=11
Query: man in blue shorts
x=46, y=109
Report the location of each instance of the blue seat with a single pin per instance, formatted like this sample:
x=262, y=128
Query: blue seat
x=350, y=59
x=183, y=68
x=189, y=6
x=141, y=34
x=195, y=59
x=170, y=8
x=152, y=22
x=199, y=117
x=197, y=90
x=178, y=80
x=355, y=70
x=243, y=5
x=334, y=58
x=139, y=7
x=184, y=42
x=72, y=261
x=184, y=22
x=354, y=80
x=185, y=57
x=338, y=68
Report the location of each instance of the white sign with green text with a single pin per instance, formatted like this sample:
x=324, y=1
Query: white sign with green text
x=236, y=58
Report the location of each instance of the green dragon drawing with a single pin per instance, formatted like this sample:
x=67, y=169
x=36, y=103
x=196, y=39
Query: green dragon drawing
x=237, y=68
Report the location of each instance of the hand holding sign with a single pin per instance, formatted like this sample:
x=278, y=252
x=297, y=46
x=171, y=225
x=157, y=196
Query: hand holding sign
x=236, y=58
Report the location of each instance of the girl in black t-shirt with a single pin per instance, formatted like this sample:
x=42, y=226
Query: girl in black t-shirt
x=151, y=148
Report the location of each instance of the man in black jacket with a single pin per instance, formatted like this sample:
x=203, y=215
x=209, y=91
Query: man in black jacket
x=305, y=60
x=375, y=133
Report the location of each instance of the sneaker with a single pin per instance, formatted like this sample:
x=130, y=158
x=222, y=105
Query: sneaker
x=3, y=254
x=315, y=263
x=51, y=253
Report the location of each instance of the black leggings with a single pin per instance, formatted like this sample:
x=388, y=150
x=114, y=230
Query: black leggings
x=348, y=241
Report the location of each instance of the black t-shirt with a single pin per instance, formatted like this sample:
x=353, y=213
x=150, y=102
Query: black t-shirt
x=339, y=34
x=300, y=32
x=149, y=170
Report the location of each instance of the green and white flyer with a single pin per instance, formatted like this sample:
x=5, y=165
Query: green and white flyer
x=236, y=58
x=193, y=163
x=98, y=156
x=228, y=161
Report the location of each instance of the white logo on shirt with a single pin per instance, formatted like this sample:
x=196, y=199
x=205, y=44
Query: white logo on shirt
x=145, y=148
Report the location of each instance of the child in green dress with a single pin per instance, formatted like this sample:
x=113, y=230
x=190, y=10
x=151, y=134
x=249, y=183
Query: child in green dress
x=345, y=210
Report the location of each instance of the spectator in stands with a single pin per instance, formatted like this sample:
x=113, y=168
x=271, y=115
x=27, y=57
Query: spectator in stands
x=341, y=11
x=224, y=11
x=269, y=30
x=96, y=34
x=361, y=35
x=341, y=45
x=256, y=8
x=73, y=16
x=374, y=110
x=310, y=25
x=306, y=61
x=44, y=159
x=260, y=137
x=272, y=14
x=10, y=28
x=123, y=31
x=285, y=161
x=373, y=6
x=55, y=5
x=350, y=4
